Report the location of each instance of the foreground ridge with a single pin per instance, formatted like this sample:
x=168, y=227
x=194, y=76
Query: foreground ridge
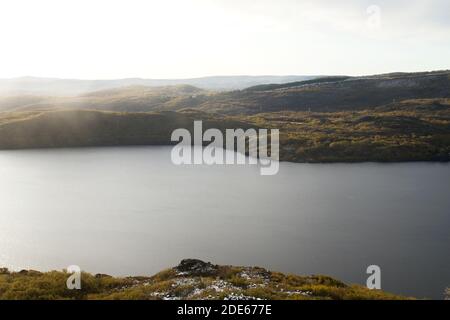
x=192, y=279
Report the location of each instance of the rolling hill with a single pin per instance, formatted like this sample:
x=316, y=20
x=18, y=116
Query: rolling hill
x=325, y=94
x=71, y=87
x=410, y=130
x=82, y=128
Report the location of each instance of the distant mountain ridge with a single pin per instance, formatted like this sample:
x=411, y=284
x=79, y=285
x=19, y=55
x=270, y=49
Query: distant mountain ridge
x=70, y=87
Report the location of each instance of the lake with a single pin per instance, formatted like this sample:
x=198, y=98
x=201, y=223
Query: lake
x=130, y=211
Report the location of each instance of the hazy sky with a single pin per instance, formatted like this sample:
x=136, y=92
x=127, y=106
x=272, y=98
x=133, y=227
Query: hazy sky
x=190, y=38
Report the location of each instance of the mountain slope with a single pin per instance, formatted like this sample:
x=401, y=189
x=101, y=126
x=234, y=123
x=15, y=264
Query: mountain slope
x=319, y=95
x=332, y=95
x=79, y=128
x=411, y=130
x=70, y=87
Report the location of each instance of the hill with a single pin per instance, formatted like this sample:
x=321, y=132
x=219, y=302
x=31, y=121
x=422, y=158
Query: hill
x=130, y=99
x=71, y=87
x=326, y=94
x=268, y=87
x=191, y=279
x=410, y=130
x=331, y=94
x=81, y=128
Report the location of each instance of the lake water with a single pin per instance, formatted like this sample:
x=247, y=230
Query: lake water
x=130, y=211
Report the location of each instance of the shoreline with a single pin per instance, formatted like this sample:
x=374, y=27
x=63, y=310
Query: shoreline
x=89, y=147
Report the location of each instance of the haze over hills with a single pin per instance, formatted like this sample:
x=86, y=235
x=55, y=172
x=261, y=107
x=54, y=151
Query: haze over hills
x=70, y=87
x=322, y=94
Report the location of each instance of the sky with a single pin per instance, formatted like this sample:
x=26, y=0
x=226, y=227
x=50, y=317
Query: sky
x=108, y=39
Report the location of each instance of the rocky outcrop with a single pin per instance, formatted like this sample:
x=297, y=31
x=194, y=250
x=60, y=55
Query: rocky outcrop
x=195, y=267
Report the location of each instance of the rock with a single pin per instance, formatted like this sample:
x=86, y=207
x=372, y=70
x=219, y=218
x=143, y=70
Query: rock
x=101, y=275
x=195, y=267
x=30, y=272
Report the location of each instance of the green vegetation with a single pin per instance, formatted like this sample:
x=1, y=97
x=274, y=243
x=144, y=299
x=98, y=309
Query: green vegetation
x=216, y=282
x=411, y=130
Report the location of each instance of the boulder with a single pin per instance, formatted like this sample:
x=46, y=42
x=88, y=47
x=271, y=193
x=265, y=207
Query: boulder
x=195, y=267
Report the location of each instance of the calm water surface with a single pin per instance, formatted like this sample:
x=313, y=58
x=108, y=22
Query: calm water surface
x=129, y=211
